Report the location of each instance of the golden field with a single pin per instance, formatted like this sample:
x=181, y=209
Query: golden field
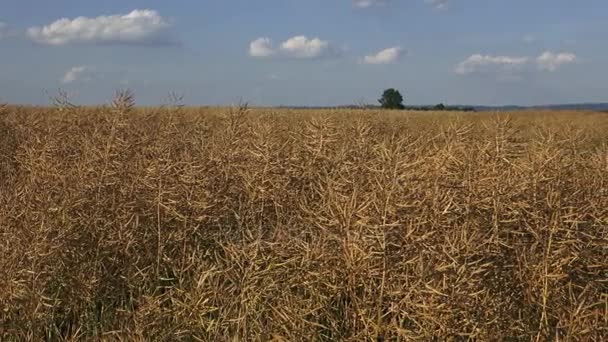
x=235, y=224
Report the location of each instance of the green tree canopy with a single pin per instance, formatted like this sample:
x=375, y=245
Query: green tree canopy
x=391, y=99
x=440, y=106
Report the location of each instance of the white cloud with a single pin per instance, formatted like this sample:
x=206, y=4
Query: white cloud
x=367, y=3
x=385, y=56
x=552, y=61
x=295, y=47
x=438, y=4
x=302, y=47
x=137, y=27
x=485, y=63
x=77, y=73
x=261, y=47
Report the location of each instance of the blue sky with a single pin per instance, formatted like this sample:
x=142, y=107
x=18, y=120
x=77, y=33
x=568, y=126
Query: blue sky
x=306, y=52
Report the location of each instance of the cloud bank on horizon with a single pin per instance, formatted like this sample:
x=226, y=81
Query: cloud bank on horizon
x=548, y=61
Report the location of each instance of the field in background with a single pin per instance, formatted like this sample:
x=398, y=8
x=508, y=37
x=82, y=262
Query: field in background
x=230, y=224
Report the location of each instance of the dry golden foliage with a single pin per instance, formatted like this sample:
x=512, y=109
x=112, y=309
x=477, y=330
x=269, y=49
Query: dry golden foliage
x=219, y=224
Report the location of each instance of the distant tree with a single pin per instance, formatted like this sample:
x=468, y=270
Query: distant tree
x=439, y=107
x=391, y=99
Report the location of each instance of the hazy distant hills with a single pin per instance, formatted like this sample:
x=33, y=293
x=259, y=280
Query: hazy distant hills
x=574, y=106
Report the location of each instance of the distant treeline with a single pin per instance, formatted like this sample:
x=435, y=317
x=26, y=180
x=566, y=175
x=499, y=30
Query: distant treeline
x=441, y=107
